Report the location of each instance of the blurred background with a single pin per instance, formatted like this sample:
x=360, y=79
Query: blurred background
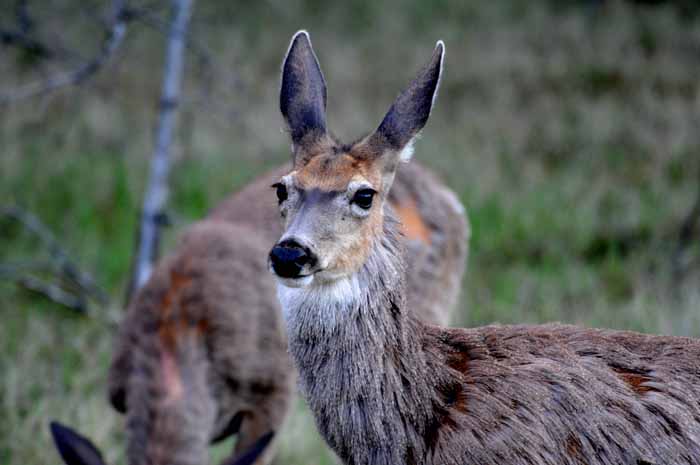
x=569, y=129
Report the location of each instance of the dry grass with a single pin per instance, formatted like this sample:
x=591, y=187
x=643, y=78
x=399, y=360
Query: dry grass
x=570, y=133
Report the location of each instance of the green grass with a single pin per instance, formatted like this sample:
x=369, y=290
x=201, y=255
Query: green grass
x=569, y=133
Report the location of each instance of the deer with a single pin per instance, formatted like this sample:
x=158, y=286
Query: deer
x=201, y=354
x=386, y=387
x=434, y=225
x=204, y=340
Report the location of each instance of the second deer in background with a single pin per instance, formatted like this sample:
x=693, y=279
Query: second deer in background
x=202, y=346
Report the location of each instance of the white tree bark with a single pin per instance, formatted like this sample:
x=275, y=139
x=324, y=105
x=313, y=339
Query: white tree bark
x=156, y=194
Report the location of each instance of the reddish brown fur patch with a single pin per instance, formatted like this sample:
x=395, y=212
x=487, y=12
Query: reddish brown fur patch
x=457, y=355
x=459, y=362
x=168, y=330
x=334, y=172
x=636, y=381
x=178, y=280
x=171, y=328
x=412, y=223
x=574, y=448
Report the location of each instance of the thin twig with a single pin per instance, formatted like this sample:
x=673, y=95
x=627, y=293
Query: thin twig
x=688, y=235
x=112, y=42
x=60, y=257
x=54, y=293
x=25, y=42
x=14, y=270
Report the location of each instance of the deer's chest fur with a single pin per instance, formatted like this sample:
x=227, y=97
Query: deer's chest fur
x=368, y=406
x=386, y=389
x=361, y=368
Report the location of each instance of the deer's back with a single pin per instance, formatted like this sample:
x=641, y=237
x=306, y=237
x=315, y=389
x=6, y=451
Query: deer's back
x=556, y=394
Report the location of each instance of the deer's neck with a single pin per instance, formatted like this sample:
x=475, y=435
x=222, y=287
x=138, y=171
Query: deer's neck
x=360, y=356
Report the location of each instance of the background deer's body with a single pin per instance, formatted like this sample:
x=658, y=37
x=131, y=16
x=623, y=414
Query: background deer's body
x=202, y=342
x=206, y=330
x=388, y=389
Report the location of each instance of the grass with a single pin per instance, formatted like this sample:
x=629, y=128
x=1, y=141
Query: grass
x=569, y=132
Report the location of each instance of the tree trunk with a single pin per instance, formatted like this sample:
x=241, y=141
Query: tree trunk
x=155, y=199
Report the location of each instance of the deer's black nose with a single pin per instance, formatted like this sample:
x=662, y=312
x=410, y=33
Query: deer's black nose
x=288, y=259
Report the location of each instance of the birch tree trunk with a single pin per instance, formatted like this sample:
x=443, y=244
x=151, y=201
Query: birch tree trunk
x=156, y=195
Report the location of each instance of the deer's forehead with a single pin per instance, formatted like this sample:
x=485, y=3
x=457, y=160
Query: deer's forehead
x=335, y=173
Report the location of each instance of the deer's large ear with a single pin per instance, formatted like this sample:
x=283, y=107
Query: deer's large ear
x=303, y=93
x=251, y=455
x=233, y=427
x=73, y=447
x=393, y=139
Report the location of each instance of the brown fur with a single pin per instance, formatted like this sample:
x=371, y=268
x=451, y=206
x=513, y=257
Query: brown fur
x=435, y=268
x=202, y=340
x=437, y=277
x=386, y=388
x=438, y=266
x=395, y=390
x=412, y=225
x=333, y=173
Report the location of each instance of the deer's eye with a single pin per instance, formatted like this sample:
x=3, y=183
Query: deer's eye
x=363, y=198
x=281, y=192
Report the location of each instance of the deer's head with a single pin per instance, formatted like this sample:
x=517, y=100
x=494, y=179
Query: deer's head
x=332, y=202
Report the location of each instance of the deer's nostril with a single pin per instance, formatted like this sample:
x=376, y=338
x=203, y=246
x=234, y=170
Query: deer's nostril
x=289, y=258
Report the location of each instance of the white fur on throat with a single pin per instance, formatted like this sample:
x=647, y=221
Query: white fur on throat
x=321, y=304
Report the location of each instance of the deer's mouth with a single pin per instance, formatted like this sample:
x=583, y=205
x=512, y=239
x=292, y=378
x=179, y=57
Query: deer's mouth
x=298, y=281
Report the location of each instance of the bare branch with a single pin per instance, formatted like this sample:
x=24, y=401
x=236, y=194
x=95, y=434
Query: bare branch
x=24, y=42
x=54, y=293
x=688, y=235
x=61, y=260
x=157, y=191
x=14, y=270
x=114, y=38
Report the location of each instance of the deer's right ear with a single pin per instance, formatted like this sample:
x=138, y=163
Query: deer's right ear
x=392, y=142
x=303, y=93
x=73, y=447
x=251, y=455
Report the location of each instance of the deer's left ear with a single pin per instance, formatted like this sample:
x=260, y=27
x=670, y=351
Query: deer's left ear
x=303, y=93
x=74, y=448
x=393, y=139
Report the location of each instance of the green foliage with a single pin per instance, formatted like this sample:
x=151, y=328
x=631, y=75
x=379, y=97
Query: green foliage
x=570, y=137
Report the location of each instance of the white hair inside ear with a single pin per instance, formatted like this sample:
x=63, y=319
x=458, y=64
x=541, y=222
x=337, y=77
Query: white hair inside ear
x=407, y=151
